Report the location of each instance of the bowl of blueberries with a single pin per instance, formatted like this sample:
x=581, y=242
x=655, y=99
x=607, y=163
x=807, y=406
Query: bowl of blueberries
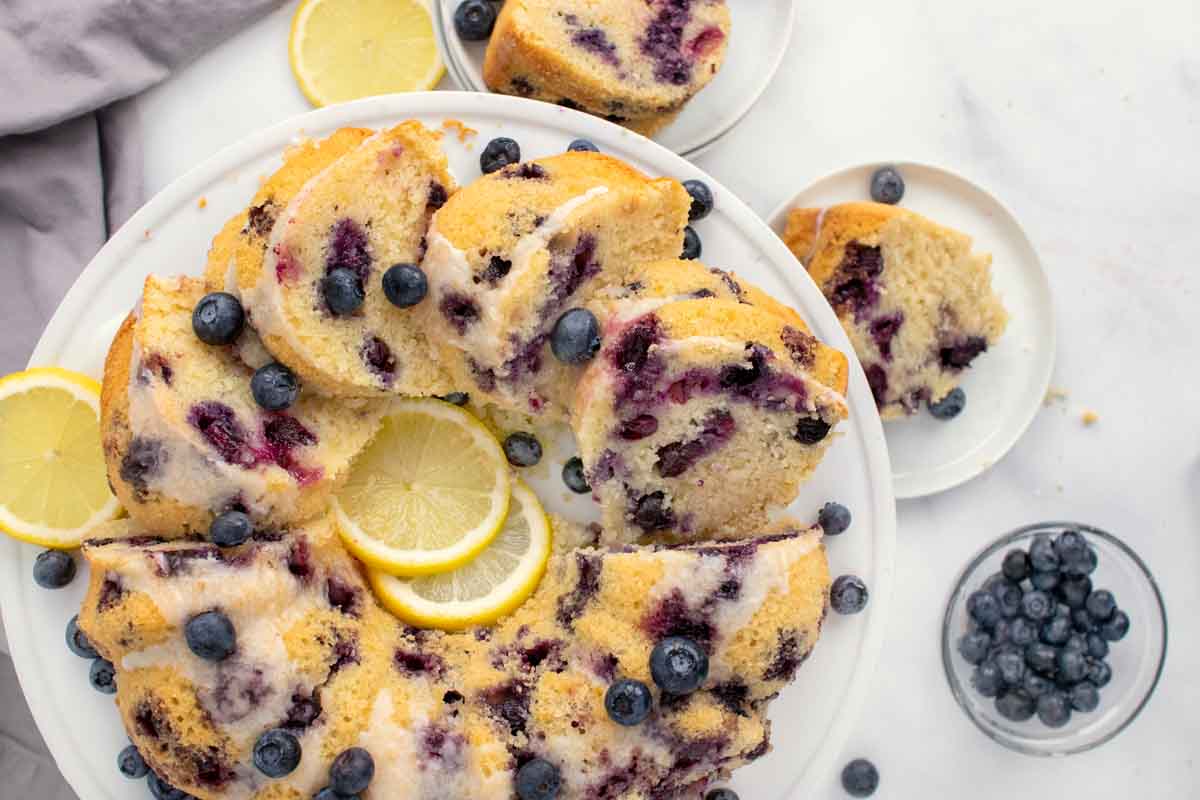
x=1054, y=638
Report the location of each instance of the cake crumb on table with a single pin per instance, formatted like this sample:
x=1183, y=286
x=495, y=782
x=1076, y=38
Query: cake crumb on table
x=1090, y=418
x=1054, y=395
x=461, y=130
x=202, y=202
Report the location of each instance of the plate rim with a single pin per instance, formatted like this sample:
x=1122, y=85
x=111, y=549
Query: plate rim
x=273, y=138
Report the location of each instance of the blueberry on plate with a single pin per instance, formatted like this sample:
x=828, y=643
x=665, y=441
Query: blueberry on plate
x=1035, y=685
x=1099, y=673
x=721, y=794
x=692, y=247
x=1042, y=657
x=538, y=779
x=102, y=676
x=1045, y=581
x=1022, y=632
x=352, y=771
x=834, y=518
x=274, y=386
x=53, y=569
x=522, y=449
x=1054, y=709
x=161, y=790
x=218, y=318
x=474, y=20
x=1015, y=705
x=1008, y=594
x=984, y=608
x=678, y=665
x=860, y=778
x=131, y=764
x=973, y=646
x=1074, y=591
x=575, y=338
x=499, y=153
x=456, y=398
x=887, y=186
x=627, y=701
x=949, y=406
x=1011, y=664
x=1037, y=606
x=210, y=635
x=405, y=285
x=702, y=200
x=77, y=641
x=1056, y=631
x=1072, y=665
x=582, y=146
x=1097, y=647
x=1115, y=627
x=343, y=292
x=986, y=679
x=1016, y=565
x=848, y=595
x=1101, y=604
x=230, y=529
x=1085, y=697
x=573, y=477
x=277, y=753
x=1042, y=555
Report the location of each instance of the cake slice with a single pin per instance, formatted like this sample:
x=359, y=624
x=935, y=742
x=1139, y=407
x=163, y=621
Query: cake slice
x=634, y=62
x=915, y=300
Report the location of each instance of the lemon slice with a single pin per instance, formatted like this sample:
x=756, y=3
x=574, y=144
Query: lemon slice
x=484, y=589
x=53, y=484
x=427, y=494
x=346, y=49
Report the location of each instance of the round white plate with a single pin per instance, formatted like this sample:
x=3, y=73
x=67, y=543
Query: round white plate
x=172, y=233
x=758, y=39
x=1005, y=386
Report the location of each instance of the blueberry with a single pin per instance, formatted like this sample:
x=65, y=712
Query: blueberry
x=974, y=645
x=1074, y=591
x=678, y=665
x=1053, y=709
x=1115, y=627
x=848, y=595
x=1056, y=631
x=230, y=529
x=210, y=636
x=986, y=679
x=131, y=764
x=582, y=146
x=1042, y=554
x=1072, y=665
x=538, y=779
x=276, y=753
x=1045, y=581
x=1077, y=642
x=1008, y=594
x=860, y=778
x=1082, y=621
x=1084, y=563
x=522, y=449
x=352, y=771
x=887, y=186
x=161, y=790
x=949, y=406
x=274, y=386
x=1011, y=665
x=327, y=793
x=1085, y=697
x=984, y=608
x=343, y=292
x=1101, y=604
x=1042, y=657
x=218, y=318
x=692, y=246
x=53, y=569
x=1016, y=565
x=573, y=477
x=474, y=20
x=702, y=200
x=1001, y=631
x=1037, y=606
x=405, y=285
x=1035, y=685
x=1022, y=632
x=102, y=676
x=721, y=794
x=1016, y=705
x=77, y=641
x=1097, y=647
x=834, y=518
x=499, y=153
x=457, y=398
x=575, y=338
x=627, y=701
x=1099, y=673
x=1069, y=546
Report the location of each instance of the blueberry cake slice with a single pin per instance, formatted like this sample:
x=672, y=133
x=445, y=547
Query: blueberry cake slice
x=915, y=300
x=699, y=416
x=184, y=438
x=319, y=301
x=634, y=62
x=510, y=253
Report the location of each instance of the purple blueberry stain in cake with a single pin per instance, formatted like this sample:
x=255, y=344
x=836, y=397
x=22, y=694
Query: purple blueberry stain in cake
x=284, y=434
x=672, y=616
x=700, y=294
x=485, y=377
x=606, y=468
x=522, y=86
x=801, y=346
x=219, y=426
x=299, y=560
x=596, y=42
x=759, y=750
x=676, y=458
x=205, y=765
x=883, y=330
x=534, y=656
x=641, y=426
x=342, y=596
x=459, y=310
x=730, y=282
x=155, y=364
x=437, y=196
x=443, y=747
x=261, y=218
x=572, y=604
x=605, y=667
x=959, y=354
x=148, y=720
x=528, y=171
x=111, y=592
x=732, y=695
x=569, y=268
x=304, y=710
x=452, y=697
x=348, y=249
x=495, y=271
x=345, y=652
x=877, y=379
x=788, y=657
x=638, y=368
x=650, y=512
x=705, y=42
x=663, y=42
x=240, y=689
x=378, y=357
x=287, y=268
x=855, y=288
x=141, y=462
x=526, y=360
x=508, y=703
x=411, y=662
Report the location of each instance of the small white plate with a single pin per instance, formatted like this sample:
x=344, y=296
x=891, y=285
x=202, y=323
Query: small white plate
x=759, y=38
x=1007, y=385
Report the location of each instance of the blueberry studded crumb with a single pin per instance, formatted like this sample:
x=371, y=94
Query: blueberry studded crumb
x=887, y=186
x=456, y=398
x=53, y=569
x=860, y=778
x=230, y=529
x=405, y=285
x=343, y=292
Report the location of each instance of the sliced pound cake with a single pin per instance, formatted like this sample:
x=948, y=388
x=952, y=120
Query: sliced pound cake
x=634, y=62
x=916, y=302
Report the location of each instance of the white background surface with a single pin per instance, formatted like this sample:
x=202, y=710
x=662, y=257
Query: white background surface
x=1085, y=119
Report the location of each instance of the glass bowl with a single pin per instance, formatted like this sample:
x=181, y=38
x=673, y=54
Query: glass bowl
x=1136, y=660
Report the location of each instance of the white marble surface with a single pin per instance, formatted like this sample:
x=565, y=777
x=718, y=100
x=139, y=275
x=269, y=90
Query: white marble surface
x=1085, y=119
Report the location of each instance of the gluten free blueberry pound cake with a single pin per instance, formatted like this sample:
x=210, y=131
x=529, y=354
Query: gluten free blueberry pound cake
x=915, y=300
x=634, y=62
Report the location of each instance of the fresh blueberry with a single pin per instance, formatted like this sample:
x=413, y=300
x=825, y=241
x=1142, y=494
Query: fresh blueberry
x=457, y=398
x=102, y=676
x=1101, y=604
x=276, y=753
x=575, y=338
x=1115, y=627
x=1077, y=642
x=1037, y=606
x=582, y=146
x=1035, y=685
x=1016, y=705
x=1072, y=665
x=573, y=477
x=949, y=406
x=1042, y=554
x=848, y=595
x=1042, y=657
x=1056, y=631
x=1022, y=632
x=1011, y=665
x=352, y=771
x=498, y=154
x=834, y=518
x=274, y=386
x=1008, y=595
x=692, y=246
x=1016, y=565
x=405, y=285
x=327, y=793
x=218, y=318
x=161, y=790
x=1097, y=647
x=627, y=701
x=1085, y=697
x=1001, y=631
x=1045, y=581
x=53, y=569
x=1082, y=621
x=1054, y=709
x=678, y=665
x=721, y=794
x=474, y=20
x=77, y=641
x=993, y=580
x=131, y=764
x=343, y=292
x=984, y=608
x=522, y=449
x=986, y=679
x=702, y=200
x=860, y=778
x=887, y=186
x=1083, y=563
x=538, y=779
x=974, y=646
x=210, y=635
x=230, y=529
x=1099, y=673
x=1074, y=591
x=1069, y=546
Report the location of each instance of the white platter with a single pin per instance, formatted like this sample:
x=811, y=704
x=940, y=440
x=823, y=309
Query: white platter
x=172, y=233
x=759, y=37
x=1007, y=385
